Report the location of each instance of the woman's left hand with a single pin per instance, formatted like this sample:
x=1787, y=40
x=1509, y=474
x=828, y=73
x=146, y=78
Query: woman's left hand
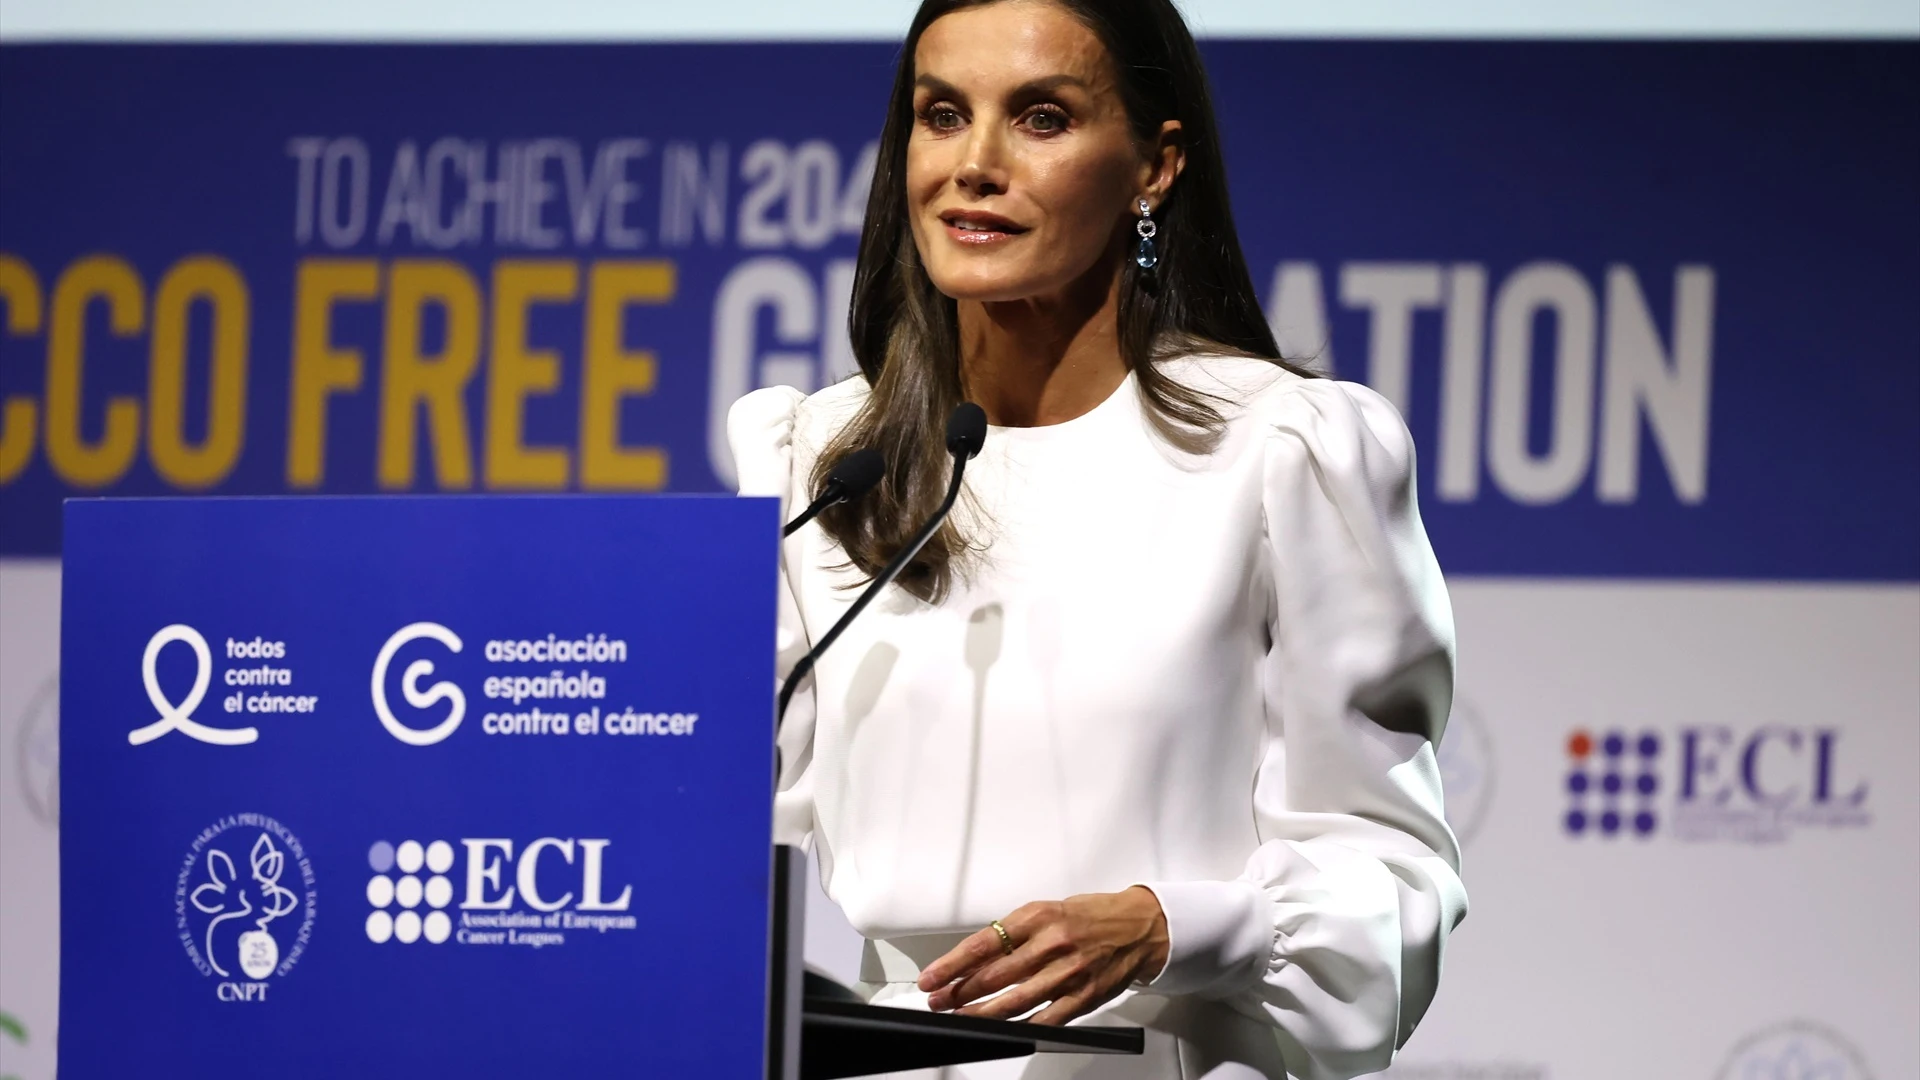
x=1077, y=953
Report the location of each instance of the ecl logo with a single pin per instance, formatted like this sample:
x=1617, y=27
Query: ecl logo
x=560, y=880
x=1753, y=786
x=1773, y=766
x=486, y=859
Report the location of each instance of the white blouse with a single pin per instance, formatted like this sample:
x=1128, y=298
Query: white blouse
x=1221, y=676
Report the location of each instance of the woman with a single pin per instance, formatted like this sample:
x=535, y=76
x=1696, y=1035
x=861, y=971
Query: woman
x=1146, y=734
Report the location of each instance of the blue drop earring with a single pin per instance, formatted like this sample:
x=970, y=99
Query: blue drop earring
x=1147, y=256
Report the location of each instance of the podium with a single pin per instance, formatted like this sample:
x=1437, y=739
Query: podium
x=471, y=786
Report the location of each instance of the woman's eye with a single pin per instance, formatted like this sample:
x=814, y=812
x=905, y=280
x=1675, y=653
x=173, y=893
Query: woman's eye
x=1046, y=121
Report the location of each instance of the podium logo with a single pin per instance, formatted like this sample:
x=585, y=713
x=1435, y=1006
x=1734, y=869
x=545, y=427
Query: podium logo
x=180, y=717
x=408, y=891
x=532, y=895
x=244, y=904
x=410, y=686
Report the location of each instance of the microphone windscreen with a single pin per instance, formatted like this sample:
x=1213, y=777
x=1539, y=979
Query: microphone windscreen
x=858, y=472
x=966, y=429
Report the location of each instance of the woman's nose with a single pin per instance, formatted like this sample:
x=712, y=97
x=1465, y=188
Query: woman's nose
x=983, y=169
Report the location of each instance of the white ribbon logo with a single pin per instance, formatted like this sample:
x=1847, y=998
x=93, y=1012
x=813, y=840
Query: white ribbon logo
x=180, y=717
x=410, y=686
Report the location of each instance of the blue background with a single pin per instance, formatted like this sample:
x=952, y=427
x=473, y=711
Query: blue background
x=1790, y=168
x=687, y=582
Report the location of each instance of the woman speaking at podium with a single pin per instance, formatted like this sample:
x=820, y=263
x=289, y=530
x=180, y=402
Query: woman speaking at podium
x=1146, y=733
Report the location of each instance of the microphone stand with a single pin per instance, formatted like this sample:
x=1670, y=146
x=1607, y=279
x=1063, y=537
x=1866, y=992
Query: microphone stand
x=790, y=981
x=961, y=454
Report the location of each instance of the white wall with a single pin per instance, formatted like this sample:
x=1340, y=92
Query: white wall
x=29, y=813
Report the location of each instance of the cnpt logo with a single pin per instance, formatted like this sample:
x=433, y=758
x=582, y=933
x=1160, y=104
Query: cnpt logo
x=244, y=904
x=410, y=686
x=1711, y=783
x=1796, y=1050
x=180, y=717
x=509, y=894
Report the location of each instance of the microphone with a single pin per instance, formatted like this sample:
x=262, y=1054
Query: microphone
x=854, y=476
x=966, y=433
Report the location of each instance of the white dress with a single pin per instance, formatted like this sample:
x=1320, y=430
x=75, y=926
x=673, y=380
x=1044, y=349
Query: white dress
x=1219, y=676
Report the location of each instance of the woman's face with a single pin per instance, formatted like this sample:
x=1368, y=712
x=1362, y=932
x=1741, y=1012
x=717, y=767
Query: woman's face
x=1022, y=168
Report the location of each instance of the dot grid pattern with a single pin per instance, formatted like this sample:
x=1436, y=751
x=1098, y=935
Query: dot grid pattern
x=1612, y=782
x=407, y=892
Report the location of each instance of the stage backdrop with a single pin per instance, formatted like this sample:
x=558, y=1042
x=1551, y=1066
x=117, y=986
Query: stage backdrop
x=1649, y=310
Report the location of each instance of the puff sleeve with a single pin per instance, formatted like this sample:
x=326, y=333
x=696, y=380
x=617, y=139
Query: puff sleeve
x=1333, y=933
x=760, y=429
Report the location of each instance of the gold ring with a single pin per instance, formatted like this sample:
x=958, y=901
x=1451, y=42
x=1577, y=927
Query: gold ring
x=1006, y=939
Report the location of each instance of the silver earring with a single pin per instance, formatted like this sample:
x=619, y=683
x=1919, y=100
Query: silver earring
x=1147, y=255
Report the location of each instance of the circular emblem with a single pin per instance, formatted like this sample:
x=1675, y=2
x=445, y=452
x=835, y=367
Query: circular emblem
x=1795, y=1050
x=37, y=753
x=410, y=686
x=244, y=901
x=1466, y=770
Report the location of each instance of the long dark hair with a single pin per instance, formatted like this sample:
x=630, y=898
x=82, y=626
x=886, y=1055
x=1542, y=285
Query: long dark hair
x=1199, y=298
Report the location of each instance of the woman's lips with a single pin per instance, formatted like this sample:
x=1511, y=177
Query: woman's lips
x=976, y=228
x=977, y=236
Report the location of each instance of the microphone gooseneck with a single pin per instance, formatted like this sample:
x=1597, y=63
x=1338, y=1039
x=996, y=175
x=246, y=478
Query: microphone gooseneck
x=854, y=476
x=966, y=433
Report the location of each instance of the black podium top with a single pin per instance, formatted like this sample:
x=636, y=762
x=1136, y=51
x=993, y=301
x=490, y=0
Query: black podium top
x=851, y=1038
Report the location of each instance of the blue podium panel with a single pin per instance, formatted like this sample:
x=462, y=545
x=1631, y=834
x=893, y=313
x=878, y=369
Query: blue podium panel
x=403, y=787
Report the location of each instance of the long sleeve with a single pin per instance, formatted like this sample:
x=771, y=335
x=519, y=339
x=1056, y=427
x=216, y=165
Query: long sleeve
x=1333, y=933
x=760, y=430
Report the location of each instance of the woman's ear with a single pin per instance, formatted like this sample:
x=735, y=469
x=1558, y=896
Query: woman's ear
x=1164, y=163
